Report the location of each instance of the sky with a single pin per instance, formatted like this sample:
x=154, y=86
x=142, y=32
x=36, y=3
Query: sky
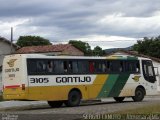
x=106, y=23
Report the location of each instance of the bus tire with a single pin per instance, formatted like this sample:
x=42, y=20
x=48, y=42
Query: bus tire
x=74, y=99
x=118, y=99
x=55, y=104
x=139, y=95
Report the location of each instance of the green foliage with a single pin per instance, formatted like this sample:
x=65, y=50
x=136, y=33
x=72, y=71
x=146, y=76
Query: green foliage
x=32, y=41
x=83, y=46
x=97, y=51
x=148, y=46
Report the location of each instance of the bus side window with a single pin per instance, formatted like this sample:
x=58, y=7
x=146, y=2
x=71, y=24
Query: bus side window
x=83, y=66
x=115, y=66
x=132, y=66
x=70, y=66
x=31, y=67
x=109, y=66
x=58, y=66
x=148, y=71
x=50, y=66
x=91, y=66
x=137, y=66
x=99, y=67
x=41, y=66
x=65, y=68
x=75, y=67
x=104, y=67
x=121, y=68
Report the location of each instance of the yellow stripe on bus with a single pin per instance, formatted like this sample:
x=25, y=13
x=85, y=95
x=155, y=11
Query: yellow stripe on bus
x=57, y=92
x=97, y=86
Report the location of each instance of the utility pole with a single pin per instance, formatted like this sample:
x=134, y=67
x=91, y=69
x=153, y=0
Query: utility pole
x=11, y=40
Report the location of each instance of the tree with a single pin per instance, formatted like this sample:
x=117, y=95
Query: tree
x=148, y=46
x=32, y=41
x=83, y=46
x=97, y=51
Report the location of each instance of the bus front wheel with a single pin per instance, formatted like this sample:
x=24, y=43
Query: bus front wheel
x=139, y=94
x=55, y=104
x=74, y=99
x=119, y=99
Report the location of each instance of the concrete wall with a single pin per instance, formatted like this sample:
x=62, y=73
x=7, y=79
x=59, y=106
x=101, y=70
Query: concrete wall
x=5, y=49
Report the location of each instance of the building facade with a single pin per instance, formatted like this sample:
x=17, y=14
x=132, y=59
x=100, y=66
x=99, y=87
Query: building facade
x=6, y=48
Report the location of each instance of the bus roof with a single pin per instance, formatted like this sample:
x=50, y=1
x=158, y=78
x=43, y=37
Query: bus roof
x=121, y=57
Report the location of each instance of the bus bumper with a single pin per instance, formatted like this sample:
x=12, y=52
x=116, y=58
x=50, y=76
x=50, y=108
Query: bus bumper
x=14, y=97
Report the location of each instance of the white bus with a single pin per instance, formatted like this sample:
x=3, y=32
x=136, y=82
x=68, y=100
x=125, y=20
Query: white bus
x=70, y=79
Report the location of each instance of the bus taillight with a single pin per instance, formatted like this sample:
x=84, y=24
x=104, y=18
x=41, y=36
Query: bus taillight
x=23, y=86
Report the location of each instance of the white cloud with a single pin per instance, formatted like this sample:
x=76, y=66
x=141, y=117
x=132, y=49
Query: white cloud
x=108, y=41
x=119, y=22
x=5, y=27
x=96, y=20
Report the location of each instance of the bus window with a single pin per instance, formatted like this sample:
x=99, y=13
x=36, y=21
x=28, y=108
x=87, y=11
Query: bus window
x=65, y=68
x=115, y=66
x=41, y=66
x=50, y=66
x=100, y=67
x=132, y=66
x=148, y=71
x=70, y=66
x=104, y=67
x=58, y=66
x=137, y=67
x=109, y=66
x=121, y=69
x=83, y=66
x=75, y=67
x=31, y=67
x=91, y=66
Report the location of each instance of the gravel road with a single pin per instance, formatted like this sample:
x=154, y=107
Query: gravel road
x=86, y=108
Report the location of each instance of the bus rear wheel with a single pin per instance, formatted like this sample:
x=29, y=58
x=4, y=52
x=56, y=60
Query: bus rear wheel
x=74, y=99
x=119, y=99
x=55, y=104
x=139, y=95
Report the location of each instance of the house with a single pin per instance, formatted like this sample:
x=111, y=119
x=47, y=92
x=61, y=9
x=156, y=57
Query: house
x=156, y=61
x=6, y=47
x=60, y=49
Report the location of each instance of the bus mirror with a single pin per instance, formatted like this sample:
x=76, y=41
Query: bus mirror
x=156, y=71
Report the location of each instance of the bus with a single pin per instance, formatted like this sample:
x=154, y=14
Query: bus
x=70, y=79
